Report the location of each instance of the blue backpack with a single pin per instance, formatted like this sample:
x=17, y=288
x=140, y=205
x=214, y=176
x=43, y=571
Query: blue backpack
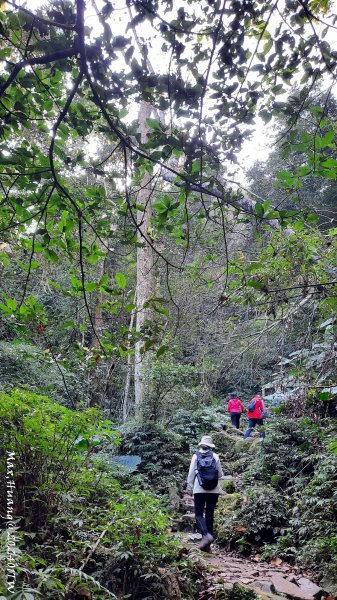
x=251, y=405
x=207, y=471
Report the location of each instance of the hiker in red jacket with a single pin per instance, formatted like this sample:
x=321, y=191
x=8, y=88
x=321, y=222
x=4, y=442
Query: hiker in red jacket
x=255, y=416
x=235, y=409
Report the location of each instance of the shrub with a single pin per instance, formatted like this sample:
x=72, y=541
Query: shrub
x=27, y=366
x=165, y=455
x=259, y=518
x=288, y=455
x=78, y=528
x=194, y=424
x=312, y=524
x=51, y=443
x=320, y=556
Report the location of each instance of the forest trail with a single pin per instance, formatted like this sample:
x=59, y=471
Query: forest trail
x=271, y=580
x=274, y=579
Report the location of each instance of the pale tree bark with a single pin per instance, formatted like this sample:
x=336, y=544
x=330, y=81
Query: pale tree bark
x=94, y=374
x=146, y=282
x=129, y=366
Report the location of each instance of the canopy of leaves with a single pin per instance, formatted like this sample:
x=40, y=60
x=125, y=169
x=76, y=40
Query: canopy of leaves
x=66, y=83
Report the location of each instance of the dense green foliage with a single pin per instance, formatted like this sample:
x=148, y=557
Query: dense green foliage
x=164, y=455
x=78, y=526
x=68, y=198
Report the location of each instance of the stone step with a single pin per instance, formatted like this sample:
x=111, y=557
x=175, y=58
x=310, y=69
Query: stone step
x=265, y=586
x=282, y=586
x=309, y=587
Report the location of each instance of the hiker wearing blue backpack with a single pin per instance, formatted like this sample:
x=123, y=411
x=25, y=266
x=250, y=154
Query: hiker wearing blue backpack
x=203, y=482
x=255, y=413
x=235, y=409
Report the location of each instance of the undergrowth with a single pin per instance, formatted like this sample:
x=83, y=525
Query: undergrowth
x=80, y=531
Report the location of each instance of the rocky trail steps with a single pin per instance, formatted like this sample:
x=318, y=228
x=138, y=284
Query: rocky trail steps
x=272, y=580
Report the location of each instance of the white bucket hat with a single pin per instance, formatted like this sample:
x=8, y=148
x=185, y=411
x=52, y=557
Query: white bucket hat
x=206, y=440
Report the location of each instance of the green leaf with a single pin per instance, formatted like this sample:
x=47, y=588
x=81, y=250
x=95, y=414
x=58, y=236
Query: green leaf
x=4, y=53
x=68, y=324
x=278, y=89
x=107, y=32
x=121, y=280
x=265, y=115
x=81, y=444
x=259, y=209
x=162, y=310
x=51, y=255
x=48, y=105
x=12, y=304
x=129, y=307
x=267, y=46
x=76, y=283
x=91, y=286
x=254, y=283
x=326, y=141
x=161, y=350
x=153, y=124
x=329, y=162
x=32, y=265
x=255, y=266
x=303, y=171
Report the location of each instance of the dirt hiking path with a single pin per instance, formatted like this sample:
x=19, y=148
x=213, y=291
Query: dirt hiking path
x=273, y=580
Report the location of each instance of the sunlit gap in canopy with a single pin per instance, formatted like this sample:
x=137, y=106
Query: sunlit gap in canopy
x=263, y=137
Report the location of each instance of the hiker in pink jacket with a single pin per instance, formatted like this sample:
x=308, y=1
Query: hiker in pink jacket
x=256, y=413
x=235, y=409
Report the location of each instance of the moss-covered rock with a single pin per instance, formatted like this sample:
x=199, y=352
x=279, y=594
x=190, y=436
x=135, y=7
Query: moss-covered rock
x=228, y=486
x=225, y=441
x=226, y=508
x=241, y=446
x=236, y=592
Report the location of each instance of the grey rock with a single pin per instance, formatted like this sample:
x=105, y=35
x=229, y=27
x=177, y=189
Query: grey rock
x=264, y=586
x=282, y=586
x=309, y=587
x=329, y=587
x=195, y=537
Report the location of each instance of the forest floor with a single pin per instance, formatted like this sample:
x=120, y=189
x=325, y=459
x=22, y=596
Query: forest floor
x=273, y=580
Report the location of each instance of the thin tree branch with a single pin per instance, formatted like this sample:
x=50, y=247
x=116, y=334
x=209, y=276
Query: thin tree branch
x=38, y=60
x=40, y=19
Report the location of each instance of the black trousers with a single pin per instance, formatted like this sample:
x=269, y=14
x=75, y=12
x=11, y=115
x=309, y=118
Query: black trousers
x=235, y=418
x=205, y=503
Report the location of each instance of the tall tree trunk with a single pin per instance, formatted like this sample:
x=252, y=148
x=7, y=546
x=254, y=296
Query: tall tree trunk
x=125, y=405
x=146, y=283
x=95, y=375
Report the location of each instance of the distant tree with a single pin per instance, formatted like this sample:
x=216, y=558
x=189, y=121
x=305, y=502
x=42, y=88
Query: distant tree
x=303, y=118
